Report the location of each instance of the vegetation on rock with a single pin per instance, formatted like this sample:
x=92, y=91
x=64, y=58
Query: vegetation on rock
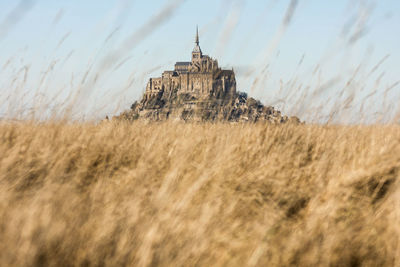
x=186, y=107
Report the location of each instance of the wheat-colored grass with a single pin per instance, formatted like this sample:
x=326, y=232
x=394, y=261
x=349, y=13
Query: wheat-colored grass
x=172, y=194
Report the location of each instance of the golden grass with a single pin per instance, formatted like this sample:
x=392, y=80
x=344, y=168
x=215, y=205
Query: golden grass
x=174, y=194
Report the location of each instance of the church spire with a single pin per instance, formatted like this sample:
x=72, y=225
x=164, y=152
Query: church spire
x=196, y=54
x=197, y=35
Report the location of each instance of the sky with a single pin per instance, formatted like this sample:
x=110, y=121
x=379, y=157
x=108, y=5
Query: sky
x=305, y=57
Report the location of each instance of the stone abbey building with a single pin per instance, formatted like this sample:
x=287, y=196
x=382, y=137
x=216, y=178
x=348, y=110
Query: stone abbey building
x=199, y=78
x=199, y=91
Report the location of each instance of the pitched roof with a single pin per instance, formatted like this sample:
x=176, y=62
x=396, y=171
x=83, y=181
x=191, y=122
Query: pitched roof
x=182, y=63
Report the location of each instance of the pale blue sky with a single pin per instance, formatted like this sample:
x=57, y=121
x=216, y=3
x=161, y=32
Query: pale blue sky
x=59, y=41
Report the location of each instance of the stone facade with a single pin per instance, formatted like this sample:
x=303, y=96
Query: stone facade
x=200, y=78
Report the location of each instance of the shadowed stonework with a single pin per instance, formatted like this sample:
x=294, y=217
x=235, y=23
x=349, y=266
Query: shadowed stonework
x=199, y=90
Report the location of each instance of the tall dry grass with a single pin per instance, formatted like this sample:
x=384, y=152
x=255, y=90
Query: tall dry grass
x=173, y=194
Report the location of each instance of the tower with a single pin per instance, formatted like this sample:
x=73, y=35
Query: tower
x=196, y=53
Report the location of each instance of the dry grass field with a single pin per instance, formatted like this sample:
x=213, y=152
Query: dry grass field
x=174, y=194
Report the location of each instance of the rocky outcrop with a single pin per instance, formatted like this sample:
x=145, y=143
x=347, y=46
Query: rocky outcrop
x=233, y=108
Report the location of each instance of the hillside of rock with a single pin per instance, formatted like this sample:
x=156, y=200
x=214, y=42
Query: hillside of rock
x=185, y=107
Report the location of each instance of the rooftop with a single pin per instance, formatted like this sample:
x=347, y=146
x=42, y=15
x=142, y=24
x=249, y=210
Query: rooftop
x=182, y=63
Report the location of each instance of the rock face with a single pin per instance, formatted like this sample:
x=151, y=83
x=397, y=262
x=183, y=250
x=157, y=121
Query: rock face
x=199, y=90
x=236, y=108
